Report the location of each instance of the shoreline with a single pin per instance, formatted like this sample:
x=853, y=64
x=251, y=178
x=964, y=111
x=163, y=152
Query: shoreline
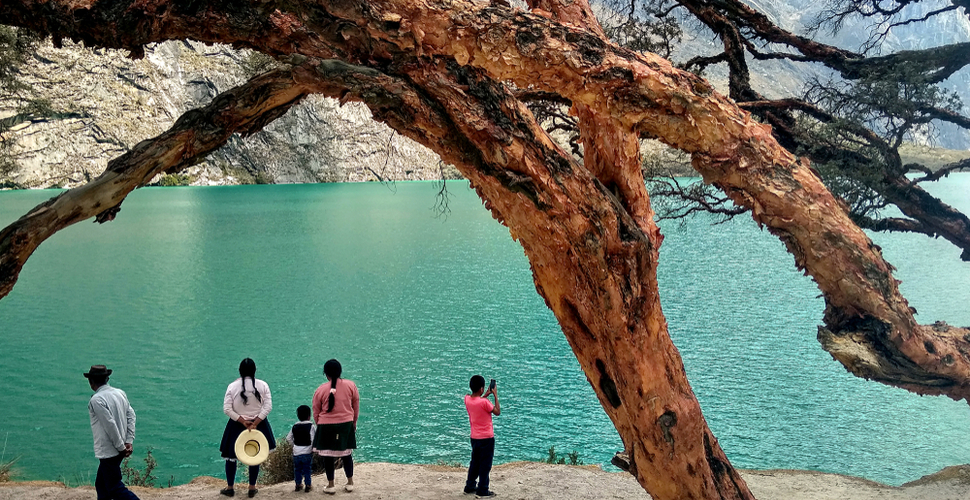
x=532, y=480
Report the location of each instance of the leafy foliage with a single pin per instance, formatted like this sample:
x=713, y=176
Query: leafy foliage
x=849, y=121
x=135, y=477
x=169, y=180
x=6, y=470
x=571, y=458
x=256, y=63
x=16, y=46
x=646, y=27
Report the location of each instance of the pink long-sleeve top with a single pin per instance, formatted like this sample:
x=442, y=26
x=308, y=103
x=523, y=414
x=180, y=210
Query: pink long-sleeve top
x=346, y=404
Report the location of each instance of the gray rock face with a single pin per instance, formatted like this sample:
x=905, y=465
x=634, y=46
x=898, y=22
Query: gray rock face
x=106, y=103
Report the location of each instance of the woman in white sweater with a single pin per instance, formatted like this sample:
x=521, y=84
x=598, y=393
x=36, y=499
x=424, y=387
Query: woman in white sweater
x=247, y=404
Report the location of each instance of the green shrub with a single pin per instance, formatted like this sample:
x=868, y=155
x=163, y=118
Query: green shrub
x=555, y=458
x=6, y=470
x=454, y=465
x=169, y=180
x=278, y=467
x=262, y=178
x=135, y=477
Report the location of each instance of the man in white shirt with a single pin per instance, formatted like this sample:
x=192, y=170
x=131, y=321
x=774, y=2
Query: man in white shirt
x=113, y=427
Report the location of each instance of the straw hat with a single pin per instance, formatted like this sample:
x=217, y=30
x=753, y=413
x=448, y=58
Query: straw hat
x=252, y=447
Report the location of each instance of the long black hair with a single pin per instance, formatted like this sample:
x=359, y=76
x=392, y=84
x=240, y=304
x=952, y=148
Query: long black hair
x=332, y=370
x=247, y=368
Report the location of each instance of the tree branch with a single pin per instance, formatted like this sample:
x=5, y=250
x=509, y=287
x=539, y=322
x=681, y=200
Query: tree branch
x=640, y=93
x=894, y=224
x=244, y=110
x=940, y=172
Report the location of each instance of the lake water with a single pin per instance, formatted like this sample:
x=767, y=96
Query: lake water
x=188, y=281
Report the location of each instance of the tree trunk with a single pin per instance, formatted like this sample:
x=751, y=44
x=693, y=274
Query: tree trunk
x=611, y=153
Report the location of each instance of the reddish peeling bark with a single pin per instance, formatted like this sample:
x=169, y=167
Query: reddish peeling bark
x=513, y=164
x=586, y=230
x=532, y=186
x=646, y=94
x=612, y=155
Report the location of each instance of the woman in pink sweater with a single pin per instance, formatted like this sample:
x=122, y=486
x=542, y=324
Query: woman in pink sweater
x=336, y=406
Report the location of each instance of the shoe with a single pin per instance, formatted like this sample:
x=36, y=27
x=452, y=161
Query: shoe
x=229, y=492
x=469, y=492
x=485, y=495
x=349, y=488
x=330, y=490
x=253, y=493
x=299, y=488
x=308, y=488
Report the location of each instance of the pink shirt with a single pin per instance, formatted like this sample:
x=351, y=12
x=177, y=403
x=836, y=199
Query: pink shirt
x=346, y=403
x=480, y=416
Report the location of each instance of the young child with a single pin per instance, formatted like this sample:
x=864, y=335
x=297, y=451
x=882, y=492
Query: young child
x=480, y=411
x=301, y=437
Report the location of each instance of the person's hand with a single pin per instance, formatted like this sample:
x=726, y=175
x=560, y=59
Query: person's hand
x=128, y=449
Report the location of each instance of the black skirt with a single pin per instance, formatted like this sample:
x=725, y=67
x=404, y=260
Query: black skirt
x=335, y=437
x=234, y=429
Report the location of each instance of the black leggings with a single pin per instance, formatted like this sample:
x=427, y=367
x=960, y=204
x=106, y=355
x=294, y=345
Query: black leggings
x=329, y=464
x=231, y=473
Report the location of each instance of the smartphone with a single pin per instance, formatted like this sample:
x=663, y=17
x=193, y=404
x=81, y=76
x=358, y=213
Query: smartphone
x=491, y=385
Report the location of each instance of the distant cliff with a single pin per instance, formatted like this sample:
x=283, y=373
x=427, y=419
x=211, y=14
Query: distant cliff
x=104, y=103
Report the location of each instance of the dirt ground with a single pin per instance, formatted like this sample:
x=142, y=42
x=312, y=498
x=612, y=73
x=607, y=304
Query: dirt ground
x=527, y=481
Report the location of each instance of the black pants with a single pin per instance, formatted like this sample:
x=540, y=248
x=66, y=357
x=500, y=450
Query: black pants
x=108, y=482
x=330, y=463
x=483, y=451
x=231, y=473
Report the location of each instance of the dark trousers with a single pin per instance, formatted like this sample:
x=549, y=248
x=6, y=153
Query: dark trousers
x=330, y=463
x=108, y=482
x=231, y=473
x=301, y=468
x=483, y=451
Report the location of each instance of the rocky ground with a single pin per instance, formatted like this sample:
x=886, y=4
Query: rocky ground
x=530, y=480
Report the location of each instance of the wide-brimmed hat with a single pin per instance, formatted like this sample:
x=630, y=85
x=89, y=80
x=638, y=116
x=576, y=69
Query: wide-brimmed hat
x=252, y=448
x=98, y=371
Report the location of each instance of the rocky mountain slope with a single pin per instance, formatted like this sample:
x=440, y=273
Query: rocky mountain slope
x=104, y=103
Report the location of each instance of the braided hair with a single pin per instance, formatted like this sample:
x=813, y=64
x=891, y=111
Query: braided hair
x=332, y=370
x=247, y=368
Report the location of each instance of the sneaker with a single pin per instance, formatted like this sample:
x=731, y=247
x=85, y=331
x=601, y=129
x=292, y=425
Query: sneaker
x=349, y=488
x=485, y=495
x=330, y=490
x=253, y=493
x=298, y=488
x=470, y=492
x=308, y=488
x=228, y=492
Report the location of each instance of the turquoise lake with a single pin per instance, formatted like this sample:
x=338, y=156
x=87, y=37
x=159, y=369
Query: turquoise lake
x=188, y=281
